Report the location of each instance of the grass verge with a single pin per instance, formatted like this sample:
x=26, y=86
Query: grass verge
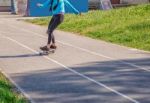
x=7, y=93
x=126, y=26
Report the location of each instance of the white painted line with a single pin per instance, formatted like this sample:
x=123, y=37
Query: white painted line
x=84, y=76
x=17, y=86
x=86, y=50
x=132, y=49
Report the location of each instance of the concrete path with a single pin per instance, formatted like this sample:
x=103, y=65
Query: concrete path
x=82, y=70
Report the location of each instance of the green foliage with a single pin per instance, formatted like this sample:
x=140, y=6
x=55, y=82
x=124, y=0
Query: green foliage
x=126, y=26
x=7, y=94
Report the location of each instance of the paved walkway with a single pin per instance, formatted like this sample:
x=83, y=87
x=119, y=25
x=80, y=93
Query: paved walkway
x=82, y=70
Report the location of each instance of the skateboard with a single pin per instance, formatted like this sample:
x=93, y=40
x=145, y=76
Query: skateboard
x=47, y=52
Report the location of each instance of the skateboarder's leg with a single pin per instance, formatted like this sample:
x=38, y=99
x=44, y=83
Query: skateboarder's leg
x=56, y=20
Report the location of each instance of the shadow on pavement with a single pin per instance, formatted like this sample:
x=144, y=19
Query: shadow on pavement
x=26, y=55
x=21, y=56
x=59, y=85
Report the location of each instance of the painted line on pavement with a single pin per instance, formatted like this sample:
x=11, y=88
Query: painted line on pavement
x=79, y=74
x=85, y=50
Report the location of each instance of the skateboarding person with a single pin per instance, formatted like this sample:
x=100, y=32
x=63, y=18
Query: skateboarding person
x=57, y=8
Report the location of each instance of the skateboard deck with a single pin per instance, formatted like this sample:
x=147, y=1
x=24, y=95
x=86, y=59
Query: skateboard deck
x=47, y=52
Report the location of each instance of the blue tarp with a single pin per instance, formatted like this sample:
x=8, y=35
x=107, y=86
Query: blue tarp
x=33, y=10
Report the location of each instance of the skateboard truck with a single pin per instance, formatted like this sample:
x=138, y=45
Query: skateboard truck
x=47, y=52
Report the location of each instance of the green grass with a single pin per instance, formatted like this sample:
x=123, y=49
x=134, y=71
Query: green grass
x=126, y=26
x=7, y=95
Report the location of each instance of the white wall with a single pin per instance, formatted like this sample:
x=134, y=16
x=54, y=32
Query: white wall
x=5, y=2
x=134, y=1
